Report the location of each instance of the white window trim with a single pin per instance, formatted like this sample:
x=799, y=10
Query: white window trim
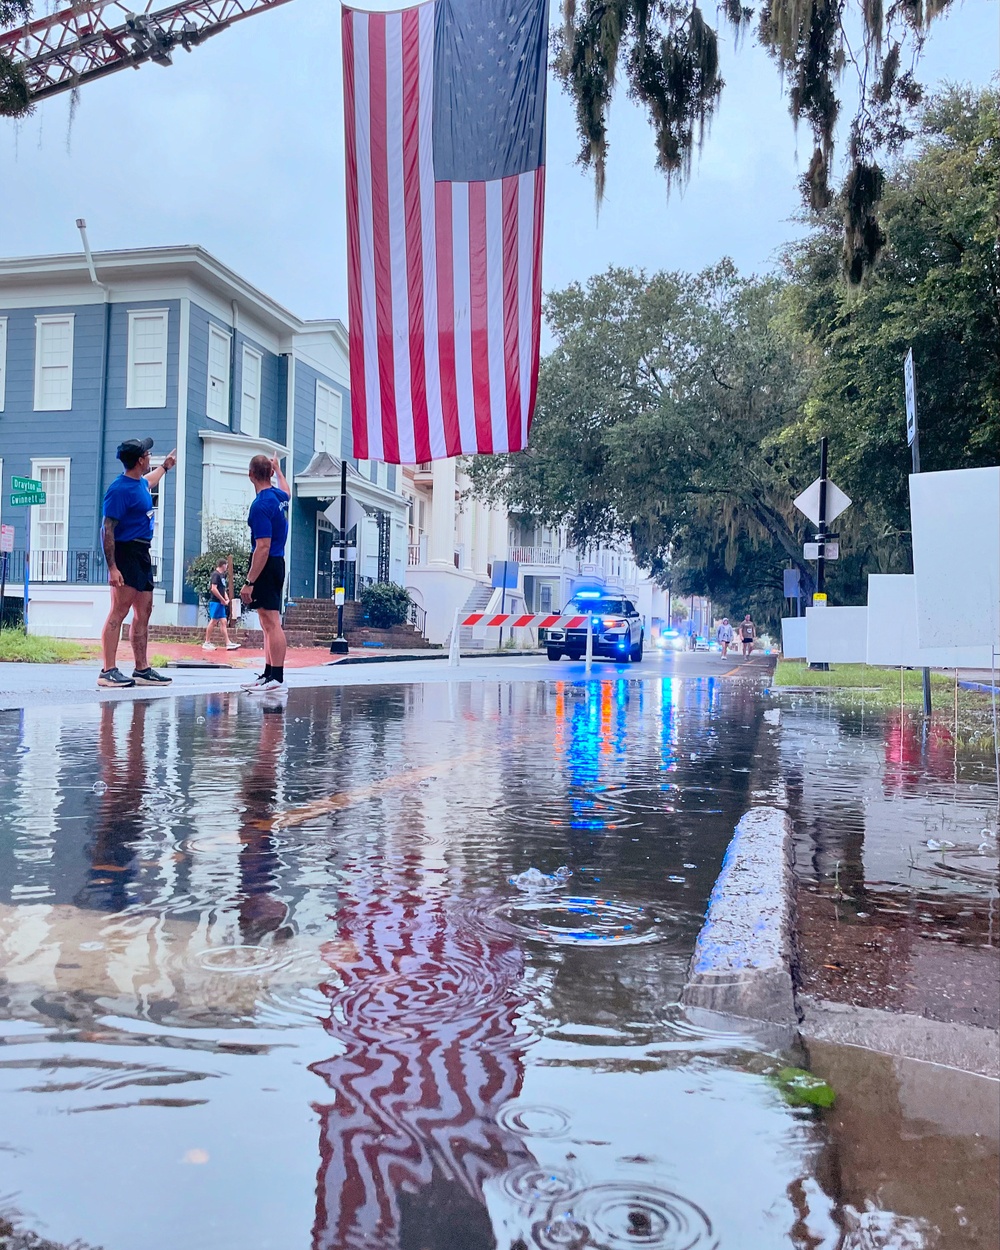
x=52, y=319
x=254, y=430
x=337, y=401
x=36, y=466
x=218, y=331
x=156, y=547
x=133, y=314
x=3, y=361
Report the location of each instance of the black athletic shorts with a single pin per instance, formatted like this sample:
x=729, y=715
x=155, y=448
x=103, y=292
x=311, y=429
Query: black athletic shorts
x=268, y=588
x=134, y=564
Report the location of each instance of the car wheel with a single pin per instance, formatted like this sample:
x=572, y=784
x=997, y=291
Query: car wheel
x=636, y=654
x=574, y=655
x=553, y=653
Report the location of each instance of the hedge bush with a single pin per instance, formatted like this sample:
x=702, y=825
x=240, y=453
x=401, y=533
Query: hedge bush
x=385, y=604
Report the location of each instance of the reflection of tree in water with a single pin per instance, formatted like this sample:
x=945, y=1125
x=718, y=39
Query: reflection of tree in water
x=424, y=1007
x=119, y=816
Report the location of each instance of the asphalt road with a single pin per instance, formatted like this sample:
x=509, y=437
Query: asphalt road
x=33, y=685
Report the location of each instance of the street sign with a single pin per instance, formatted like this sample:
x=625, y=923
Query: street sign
x=817, y=551
x=6, y=538
x=27, y=500
x=505, y=574
x=808, y=502
x=910, y=385
x=819, y=600
x=29, y=484
x=354, y=513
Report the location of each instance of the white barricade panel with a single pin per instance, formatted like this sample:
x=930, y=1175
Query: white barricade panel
x=955, y=518
x=793, y=637
x=892, y=629
x=836, y=635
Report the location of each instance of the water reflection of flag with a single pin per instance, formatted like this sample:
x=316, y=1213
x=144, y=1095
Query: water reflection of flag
x=445, y=137
x=425, y=1011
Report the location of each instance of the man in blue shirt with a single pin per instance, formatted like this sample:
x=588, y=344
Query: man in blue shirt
x=265, y=584
x=127, y=537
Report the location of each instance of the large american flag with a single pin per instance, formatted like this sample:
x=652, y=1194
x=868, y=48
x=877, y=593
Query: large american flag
x=445, y=145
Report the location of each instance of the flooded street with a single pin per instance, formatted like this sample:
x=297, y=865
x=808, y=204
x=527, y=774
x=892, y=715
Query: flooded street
x=399, y=967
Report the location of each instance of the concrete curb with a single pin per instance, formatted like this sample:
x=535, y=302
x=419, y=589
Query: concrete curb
x=960, y=1046
x=742, y=962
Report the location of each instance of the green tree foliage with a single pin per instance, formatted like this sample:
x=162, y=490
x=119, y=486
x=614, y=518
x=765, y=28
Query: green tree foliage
x=385, y=604
x=937, y=289
x=659, y=420
x=682, y=412
x=222, y=539
x=14, y=101
x=670, y=56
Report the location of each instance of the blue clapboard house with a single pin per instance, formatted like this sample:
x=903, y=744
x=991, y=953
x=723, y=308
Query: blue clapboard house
x=169, y=343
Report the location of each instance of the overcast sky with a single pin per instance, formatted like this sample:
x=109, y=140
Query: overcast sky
x=238, y=147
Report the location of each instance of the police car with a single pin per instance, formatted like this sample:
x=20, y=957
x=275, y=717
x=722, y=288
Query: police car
x=618, y=631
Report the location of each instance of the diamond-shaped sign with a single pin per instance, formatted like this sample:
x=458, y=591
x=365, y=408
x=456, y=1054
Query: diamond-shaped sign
x=808, y=502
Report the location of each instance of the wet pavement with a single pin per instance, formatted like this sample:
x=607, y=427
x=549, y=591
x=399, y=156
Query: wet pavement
x=280, y=975
x=896, y=856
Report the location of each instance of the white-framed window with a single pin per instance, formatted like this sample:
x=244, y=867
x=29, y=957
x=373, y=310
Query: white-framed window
x=50, y=520
x=250, y=401
x=146, y=379
x=328, y=409
x=54, y=363
x=3, y=360
x=217, y=400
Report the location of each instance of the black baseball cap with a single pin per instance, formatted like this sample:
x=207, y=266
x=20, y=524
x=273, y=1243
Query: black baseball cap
x=132, y=450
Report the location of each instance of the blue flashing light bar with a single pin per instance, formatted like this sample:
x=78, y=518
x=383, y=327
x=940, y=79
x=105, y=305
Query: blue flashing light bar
x=587, y=594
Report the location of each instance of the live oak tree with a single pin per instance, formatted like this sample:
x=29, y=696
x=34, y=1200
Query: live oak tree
x=682, y=412
x=14, y=99
x=937, y=290
x=828, y=53
x=659, y=418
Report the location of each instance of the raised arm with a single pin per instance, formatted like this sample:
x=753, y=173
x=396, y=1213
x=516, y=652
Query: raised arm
x=282, y=480
x=155, y=475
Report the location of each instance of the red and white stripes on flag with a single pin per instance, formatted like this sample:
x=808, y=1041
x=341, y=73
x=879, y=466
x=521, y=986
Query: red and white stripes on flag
x=444, y=277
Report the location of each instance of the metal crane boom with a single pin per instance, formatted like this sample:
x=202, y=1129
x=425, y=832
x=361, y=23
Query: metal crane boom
x=90, y=40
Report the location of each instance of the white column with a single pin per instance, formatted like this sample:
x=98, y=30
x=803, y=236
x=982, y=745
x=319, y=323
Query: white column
x=441, y=546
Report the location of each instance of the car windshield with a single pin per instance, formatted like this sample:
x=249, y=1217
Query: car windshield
x=600, y=607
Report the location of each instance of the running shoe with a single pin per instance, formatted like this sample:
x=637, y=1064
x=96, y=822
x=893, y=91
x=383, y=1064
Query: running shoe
x=150, y=677
x=208, y=646
x=114, y=679
x=255, y=684
x=271, y=686
x=232, y=646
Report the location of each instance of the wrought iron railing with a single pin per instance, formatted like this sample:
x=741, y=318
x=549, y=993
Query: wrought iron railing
x=80, y=565
x=417, y=617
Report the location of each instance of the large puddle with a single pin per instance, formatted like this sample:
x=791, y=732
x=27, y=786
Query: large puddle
x=284, y=977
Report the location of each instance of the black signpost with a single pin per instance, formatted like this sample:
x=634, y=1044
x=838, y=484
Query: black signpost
x=339, y=645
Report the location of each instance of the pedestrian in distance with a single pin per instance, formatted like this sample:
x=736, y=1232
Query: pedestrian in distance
x=218, y=603
x=724, y=636
x=747, y=634
x=127, y=537
x=264, y=587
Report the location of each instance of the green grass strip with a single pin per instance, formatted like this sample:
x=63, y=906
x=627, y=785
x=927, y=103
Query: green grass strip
x=16, y=647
